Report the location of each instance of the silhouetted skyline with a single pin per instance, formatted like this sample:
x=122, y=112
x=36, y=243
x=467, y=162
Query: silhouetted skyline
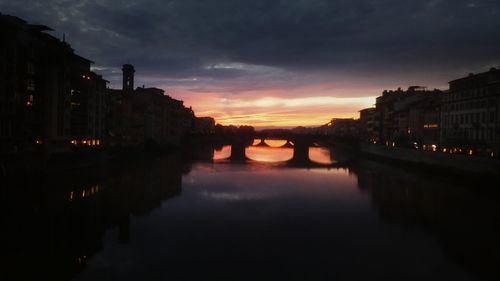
x=277, y=62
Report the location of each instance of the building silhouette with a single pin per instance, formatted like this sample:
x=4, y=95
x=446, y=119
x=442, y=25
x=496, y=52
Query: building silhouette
x=145, y=115
x=463, y=119
x=51, y=101
x=49, y=97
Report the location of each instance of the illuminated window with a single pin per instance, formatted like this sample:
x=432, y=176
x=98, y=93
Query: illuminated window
x=431, y=126
x=29, y=100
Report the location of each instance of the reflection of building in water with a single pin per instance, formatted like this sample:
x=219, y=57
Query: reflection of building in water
x=466, y=224
x=53, y=226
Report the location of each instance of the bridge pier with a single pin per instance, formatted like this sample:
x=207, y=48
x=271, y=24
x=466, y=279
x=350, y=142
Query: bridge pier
x=238, y=151
x=288, y=144
x=300, y=152
x=262, y=142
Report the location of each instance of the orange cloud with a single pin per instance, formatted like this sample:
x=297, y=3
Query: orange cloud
x=281, y=107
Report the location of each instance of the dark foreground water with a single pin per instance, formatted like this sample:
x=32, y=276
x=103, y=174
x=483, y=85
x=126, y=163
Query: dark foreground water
x=177, y=219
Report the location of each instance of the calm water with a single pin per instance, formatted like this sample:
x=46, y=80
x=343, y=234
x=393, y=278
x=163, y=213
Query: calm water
x=195, y=218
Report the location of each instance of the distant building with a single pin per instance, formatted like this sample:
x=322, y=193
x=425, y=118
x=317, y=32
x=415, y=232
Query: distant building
x=141, y=115
x=470, y=113
x=45, y=100
x=204, y=125
x=369, y=124
x=345, y=127
x=402, y=114
x=424, y=120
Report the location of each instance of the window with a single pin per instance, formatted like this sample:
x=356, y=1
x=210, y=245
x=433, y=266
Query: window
x=29, y=100
x=30, y=85
x=30, y=68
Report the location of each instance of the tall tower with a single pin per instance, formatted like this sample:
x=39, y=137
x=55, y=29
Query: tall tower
x=128, y=77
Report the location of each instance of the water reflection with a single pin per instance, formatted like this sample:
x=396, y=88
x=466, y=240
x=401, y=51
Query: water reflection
x=269, y=154
x=53, y=224
x=222, y=153
x=461, y=214
x=161, y=219
x=321, y=155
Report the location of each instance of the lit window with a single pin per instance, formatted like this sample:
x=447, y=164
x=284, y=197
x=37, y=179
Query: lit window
x=29, y=101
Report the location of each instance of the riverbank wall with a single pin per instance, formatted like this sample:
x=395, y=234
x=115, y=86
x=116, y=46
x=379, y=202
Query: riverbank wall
x=455, y=162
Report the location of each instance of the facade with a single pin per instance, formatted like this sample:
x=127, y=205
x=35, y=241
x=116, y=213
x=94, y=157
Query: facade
x=369, y=124
x=88, y=104
x=403, y=113
x=424, y=120
x=345, y=127
x=469, y=118
x=39, y=76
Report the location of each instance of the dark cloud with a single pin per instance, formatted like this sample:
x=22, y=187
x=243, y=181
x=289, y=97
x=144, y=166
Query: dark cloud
x=184, y=38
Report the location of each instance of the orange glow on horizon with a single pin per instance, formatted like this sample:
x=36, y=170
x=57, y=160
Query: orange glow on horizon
x=278, y=107
x=281, y=112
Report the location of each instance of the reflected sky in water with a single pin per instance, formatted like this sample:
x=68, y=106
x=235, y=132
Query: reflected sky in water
x=321, y=155
x=223, y=153
x=276, y=223
x=269, y=154
x=172, y=220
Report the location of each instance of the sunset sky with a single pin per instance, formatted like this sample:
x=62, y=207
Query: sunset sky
x=276, y=63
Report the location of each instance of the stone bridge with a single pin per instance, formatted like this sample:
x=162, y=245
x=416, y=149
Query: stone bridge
x=299, y=143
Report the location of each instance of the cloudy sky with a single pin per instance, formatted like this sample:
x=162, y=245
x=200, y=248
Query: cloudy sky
x=276, y=62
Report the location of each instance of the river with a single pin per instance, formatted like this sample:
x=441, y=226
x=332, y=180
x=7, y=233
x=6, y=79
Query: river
x=202, y=216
